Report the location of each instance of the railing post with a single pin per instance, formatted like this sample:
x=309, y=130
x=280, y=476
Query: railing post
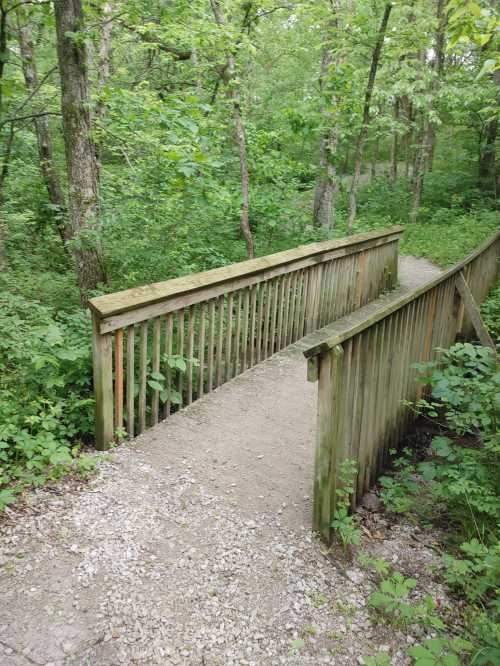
x=328, y=429
x=102, y=352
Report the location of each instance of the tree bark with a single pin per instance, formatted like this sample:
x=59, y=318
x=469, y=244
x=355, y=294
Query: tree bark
x=81, y=162
x=4, y=170
x=358, y=155
x=239, y=127
x=104, y=58
x=326, y=185
x=487, y=158
x=44, y=138
x=393, y=174
x=429, y=131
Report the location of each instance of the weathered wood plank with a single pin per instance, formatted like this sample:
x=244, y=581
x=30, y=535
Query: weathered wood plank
x=473, y=312
x=102, y=349
x=130, y=381
x=143, y=366
x=131, y=299
x=119, y=379
x=156, y=368
x=169, y=335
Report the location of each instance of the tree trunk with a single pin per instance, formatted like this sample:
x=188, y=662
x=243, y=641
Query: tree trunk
x=326, y=185
x=487, y=157
x=44, y=139
x=375, y=158
x=358, y=155
x=4, y=170
x=428, y=131
x=104, y=58
x=393, y=174
x=239, y=126
x=81, y=163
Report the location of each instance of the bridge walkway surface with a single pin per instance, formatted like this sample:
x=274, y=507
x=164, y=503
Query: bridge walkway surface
x=193, y=544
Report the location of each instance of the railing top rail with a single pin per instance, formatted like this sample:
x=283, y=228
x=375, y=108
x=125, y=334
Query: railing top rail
x=332, y=341
x=138, y=297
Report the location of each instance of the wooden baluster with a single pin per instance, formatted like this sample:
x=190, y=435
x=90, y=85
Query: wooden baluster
x=281, y=311
x=237, y=341
x=143, y=376
x=229, y=336
x=201, y=351
x=102, y=348
x=220, y=341
x=293, y=305
x=156, y=368
x=276, y=286
x=180, y=352
x=269, y=296
x=119, y=379
x=169, y=334
x=190, y=354
x=130, y=380
x=253, y=311
x=244, y=342
x=260, y=320
x=211, y=339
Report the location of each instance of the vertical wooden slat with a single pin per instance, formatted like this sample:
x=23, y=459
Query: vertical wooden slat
x=143, y=376
x=237, y=338
x=229, y=336
x=286, y=313
x=211, y=340
x=102, y=349
x=220, y=341
x=260, y=321
x=201, y=352
x=190, y=354
x=329, y=407
x=274, y=315
x=130, y=380
x=244, y=342
x=253, y=313
x=119, y=379
x=267, y=317
x=156, y=368
x=293, y=304
x=169, y=334
x=281, y=309
x=180, y=352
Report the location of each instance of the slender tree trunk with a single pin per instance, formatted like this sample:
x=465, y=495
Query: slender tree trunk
x=358, y=155
x=375, y=158
x=44, y=139
x=428, y=130
x=326, y=184
x=4, y=170
x=487, y=155
x=239, y=126
x=104, y=58
x=83, y=177
x=393, y=174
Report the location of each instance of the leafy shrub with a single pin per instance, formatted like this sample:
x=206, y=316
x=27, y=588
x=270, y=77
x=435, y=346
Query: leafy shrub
x=46, y=408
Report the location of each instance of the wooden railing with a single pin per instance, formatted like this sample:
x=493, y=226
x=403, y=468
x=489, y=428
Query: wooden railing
x=364, y=372
x=222, y=322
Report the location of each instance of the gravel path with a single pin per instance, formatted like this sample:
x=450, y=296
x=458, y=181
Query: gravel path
x=193, y=545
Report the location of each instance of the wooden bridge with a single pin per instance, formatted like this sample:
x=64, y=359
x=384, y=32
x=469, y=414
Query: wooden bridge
x=160, y=347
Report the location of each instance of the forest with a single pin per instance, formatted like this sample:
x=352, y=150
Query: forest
x=147, y=140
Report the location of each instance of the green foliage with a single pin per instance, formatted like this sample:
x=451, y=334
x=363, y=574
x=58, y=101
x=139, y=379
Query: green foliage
x=434, y=652
x=45, y=393
x=391, y=601
x=379, y=659
x=343, y=523
x=490, y=311
x=465, y=381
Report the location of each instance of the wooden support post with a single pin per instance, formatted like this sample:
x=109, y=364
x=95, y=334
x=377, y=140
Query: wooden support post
x=329, y=410
x=102, y=349
x=473, y=312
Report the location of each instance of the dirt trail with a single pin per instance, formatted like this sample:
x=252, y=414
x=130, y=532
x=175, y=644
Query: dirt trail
x=193, y=545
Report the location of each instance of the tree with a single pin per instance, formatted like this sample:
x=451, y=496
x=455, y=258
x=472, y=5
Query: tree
x=81, y=162
x=358, y=154
x=326, y=186
x=425, y=151
x=44, y=137
x=232, y=86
